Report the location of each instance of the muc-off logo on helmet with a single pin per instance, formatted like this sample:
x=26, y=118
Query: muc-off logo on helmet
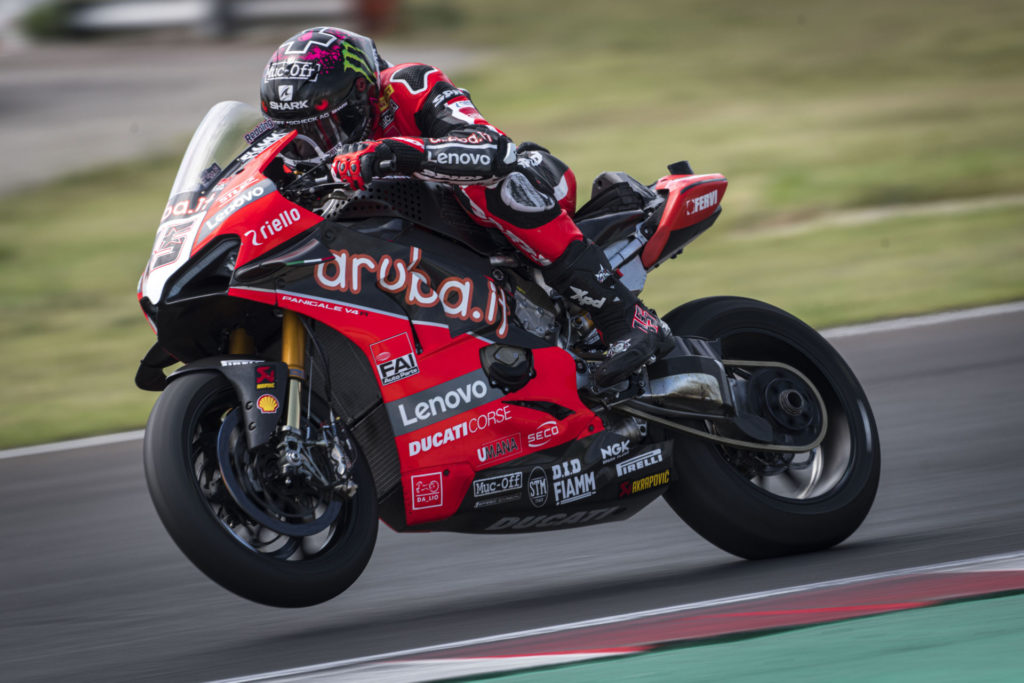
x=293, y=71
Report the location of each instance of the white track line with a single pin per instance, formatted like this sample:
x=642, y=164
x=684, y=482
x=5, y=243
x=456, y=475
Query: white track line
x=924, y=320
x=104, y=440
x=324, y=671
x=834, y=333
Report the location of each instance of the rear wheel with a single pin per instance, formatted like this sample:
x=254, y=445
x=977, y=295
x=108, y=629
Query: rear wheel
x=759, y=504
x=275, y=540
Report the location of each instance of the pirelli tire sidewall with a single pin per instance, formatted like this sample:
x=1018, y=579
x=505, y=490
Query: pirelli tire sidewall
x=195, y=529
x=729, y=510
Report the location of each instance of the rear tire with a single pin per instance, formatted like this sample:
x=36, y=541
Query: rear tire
x=755, y=505
x=240, y=554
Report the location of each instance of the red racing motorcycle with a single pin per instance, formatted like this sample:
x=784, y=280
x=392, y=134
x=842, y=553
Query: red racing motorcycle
x=355, y=356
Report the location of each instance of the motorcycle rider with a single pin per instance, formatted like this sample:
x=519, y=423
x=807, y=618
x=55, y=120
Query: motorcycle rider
x=331, y=85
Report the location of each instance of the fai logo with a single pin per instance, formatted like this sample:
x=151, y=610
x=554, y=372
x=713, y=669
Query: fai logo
x=394, y=359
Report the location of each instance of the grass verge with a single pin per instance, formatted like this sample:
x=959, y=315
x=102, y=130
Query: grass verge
x=808, y=108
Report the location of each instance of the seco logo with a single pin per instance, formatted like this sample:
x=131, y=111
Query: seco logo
x=544, y=434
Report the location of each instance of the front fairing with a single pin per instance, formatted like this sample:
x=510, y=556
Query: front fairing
x=221, y=191
x=219, y=139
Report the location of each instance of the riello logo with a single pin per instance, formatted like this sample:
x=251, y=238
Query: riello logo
x=348, y=271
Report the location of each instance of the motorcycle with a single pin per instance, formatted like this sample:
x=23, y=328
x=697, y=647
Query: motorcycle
x=355, y=356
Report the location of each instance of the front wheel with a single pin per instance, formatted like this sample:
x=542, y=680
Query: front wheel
x=759, y=504
x=281, y=543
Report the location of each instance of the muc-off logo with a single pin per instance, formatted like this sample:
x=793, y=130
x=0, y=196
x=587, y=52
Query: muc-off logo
x=304, y=71
x=502, y=483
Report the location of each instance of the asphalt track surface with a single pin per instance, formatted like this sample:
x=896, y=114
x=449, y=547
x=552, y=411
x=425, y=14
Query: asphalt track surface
x=92, y=588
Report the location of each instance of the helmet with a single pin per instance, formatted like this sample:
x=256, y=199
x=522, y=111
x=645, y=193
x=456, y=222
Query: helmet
x=321, y=82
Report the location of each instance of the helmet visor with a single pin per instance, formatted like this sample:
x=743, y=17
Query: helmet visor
x=348, y=124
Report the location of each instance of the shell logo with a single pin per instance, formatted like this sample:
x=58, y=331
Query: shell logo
x=268, y=404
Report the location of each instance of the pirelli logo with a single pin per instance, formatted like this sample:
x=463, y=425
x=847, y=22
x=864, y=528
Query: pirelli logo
x=639, y=462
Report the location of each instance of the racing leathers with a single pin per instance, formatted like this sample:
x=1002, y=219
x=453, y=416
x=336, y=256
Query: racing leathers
x=426, y=127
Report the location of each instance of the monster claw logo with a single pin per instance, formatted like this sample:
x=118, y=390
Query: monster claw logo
x=354, y=59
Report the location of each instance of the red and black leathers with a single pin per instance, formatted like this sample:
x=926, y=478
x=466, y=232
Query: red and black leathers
x=426, y=127
x=430, y=129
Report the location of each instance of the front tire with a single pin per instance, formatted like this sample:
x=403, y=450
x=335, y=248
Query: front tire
x=193, y=417
x=760, y=505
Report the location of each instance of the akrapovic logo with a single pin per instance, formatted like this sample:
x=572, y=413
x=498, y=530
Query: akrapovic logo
x=441, y=402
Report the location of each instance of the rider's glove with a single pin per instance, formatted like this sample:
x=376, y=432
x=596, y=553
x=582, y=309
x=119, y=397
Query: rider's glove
x=356, y=164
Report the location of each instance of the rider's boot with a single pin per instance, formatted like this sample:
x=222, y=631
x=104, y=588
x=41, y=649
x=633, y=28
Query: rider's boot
x=633, y=333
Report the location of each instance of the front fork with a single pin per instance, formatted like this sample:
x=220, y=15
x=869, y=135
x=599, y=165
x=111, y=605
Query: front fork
x=293, y=352
x=295, y=453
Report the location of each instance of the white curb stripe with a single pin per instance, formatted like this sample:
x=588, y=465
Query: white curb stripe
x=445, y=669
x=317, y=671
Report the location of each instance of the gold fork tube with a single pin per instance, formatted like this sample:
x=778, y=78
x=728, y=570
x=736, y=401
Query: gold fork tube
x=240, y=343
x=293, y=353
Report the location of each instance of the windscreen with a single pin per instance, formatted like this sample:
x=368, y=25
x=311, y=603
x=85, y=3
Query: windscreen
x=223, y=134
x=217, y=141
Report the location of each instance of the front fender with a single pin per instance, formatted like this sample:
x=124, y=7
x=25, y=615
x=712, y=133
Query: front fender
x=261, y=385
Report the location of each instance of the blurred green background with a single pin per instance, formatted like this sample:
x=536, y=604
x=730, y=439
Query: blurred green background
x=873, y=151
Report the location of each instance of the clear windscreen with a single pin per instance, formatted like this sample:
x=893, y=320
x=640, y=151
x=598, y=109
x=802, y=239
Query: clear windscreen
x=220, y=137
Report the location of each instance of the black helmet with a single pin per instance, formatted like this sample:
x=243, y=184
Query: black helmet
x=320, y=82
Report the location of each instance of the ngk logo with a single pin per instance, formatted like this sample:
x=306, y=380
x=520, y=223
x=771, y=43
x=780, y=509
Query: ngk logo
x=614, y=452
x=701, y=203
